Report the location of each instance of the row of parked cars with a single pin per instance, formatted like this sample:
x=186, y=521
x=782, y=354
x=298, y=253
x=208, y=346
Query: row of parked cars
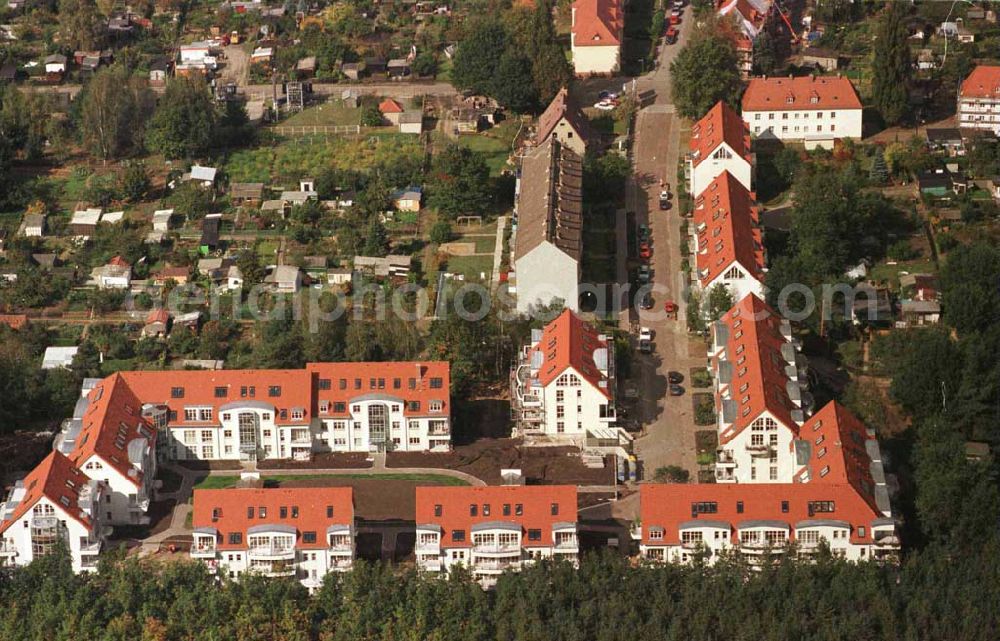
x=672, y=21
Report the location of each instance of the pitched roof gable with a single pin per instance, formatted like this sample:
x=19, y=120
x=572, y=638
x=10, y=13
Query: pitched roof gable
x=597, y=23
x=550, y=203
x=798, y=94
x=58, y=480
x=726, y=223
x=983, y=82
x=563, y=107
x=570, y=342
x=720, y=125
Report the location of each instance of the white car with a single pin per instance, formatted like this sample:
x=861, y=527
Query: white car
x=645, y=334
x=605, y=105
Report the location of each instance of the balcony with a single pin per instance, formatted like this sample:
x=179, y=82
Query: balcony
x=887, y=540
x=427, y=547
x=430, y=566
x=286, y=552
x=496, y=567
x=202, y=551
x=725, y=475
x=437, y=430
x=692, y=545
x=759, y=449
x=759, y=547
x=138, y=504
x=90, y=546
x=277, y=571
x=301, y=440
x=608, y=414
x=724, y=458
x=505, y=549
x=341, y=564
x=7, y=550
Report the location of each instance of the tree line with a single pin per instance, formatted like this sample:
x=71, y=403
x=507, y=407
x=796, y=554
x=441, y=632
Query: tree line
x=933, y=596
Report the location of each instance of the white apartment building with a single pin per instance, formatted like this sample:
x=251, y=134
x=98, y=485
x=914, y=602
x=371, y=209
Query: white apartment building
x=491, y=530
x=596, y=35
x=256, y=414
x=979, y=100
x=563, y=385
x=111, y=440
x=726, y=239
x=548, y=227
x=55, y=504
x=720, y=142
x=277, y=532
x=814, y=110
x=760, y=393
x=682, y=522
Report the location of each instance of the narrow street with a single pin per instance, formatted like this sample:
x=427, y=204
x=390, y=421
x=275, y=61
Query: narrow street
x=668, y=434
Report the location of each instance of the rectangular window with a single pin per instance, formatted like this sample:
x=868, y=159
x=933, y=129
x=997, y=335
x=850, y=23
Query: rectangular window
x=437, y=382
x=205, y=414
x=486, y=509
x=473, y=510
x=274, y=391
x=235, y=538
x=555, y=509
x=506, y=509
x=308, y=537
x=413, y=406
x=324, y=383
x=435, y=406
x=534, y=535
x=190, y=414
x=339, y=407
x=739, y=507
x=283, y=512
x=784, y=507
x=176, y=392
x=221, y=392
x=438, y=510
x=329, y=511
x=518, y=509
x=458, y=536
x=343, y=383
x=250, y=512
x=262, y=512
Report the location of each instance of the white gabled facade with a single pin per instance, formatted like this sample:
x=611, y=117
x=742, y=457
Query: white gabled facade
x=979, y=100
x=563, y=385
x=815, y=110
x=719, y=143
x=54, y=505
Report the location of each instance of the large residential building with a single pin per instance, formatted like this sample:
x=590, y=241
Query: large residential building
x=681, y=522
x=564, y=121
x=979, y=99
x=563, y=385
x=56, y=504
x=760, y=393
x=548, y=231
x=300, y=532
x=493, y=529
x=255, y=414
x=815, y=110
x=596, y=36
x=111, y=439
x=727, y=241
x=720, y=142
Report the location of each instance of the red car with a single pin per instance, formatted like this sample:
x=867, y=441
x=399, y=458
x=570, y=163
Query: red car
x=645, y=252
x=675, y=19
x=671, y=36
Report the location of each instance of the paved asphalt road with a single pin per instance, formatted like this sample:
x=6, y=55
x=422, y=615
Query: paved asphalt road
x=668, y=434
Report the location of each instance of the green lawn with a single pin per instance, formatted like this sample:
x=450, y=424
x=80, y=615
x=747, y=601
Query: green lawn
x=333, y=112
x=292, y=159
x=484, y=243
x=890, y=273
x=471, y=266
x=495, y=143
x=223, y=482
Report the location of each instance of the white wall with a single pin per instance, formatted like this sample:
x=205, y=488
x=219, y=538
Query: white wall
x=805, y=124
x=784, y=464
x=544, y=273
x=738, y=287
x=595, y=60
x=585, y=396
x=19, y=536
x=721, y=159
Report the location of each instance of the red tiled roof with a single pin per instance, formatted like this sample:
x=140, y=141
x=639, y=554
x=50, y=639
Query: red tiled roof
x=754, y=332
x=118, y=261
x=669, y=505
x=56, y=479
x=418, y=382
x=802, y=93
x=568, y=341
x=562, y=106
x=720, y=125
x=536, y=503
x=158, y=315
x=597, y=23
x=14, y=321
x=837, y=449
x=390, y=106
x=983, y=82
x=309, y=503
x=730, y=232
x=217, y=388
x=112, y=421
x=177, y=273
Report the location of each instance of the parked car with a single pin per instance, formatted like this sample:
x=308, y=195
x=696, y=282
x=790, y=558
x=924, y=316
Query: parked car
x=645, y=346
x=664, y=200
x=645, y=333
x=671, y=35
x=678, y=4
x=647, y=301
x=605, y=105
x=645, y=251
x=675, y=378
x=643, y=232
x=675, y=18
x=645, y=274
x=676, y=390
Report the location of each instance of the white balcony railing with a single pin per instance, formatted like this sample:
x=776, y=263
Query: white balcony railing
x=202, y=551
x=90, y=546
x=272, y=552
x=496, y=548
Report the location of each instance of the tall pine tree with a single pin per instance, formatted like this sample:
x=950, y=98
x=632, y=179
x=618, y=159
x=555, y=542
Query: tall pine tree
x=891, y=65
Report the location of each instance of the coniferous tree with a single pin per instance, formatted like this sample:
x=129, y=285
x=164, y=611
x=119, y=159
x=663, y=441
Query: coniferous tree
x=891, y=65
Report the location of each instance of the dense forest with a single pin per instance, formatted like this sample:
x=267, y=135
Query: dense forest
x=933, y=595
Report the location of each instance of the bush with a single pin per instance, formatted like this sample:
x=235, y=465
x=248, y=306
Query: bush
x=901, y=250
x=441, y=232
x=671, y=474
x=704, y=409
x=946, y=242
